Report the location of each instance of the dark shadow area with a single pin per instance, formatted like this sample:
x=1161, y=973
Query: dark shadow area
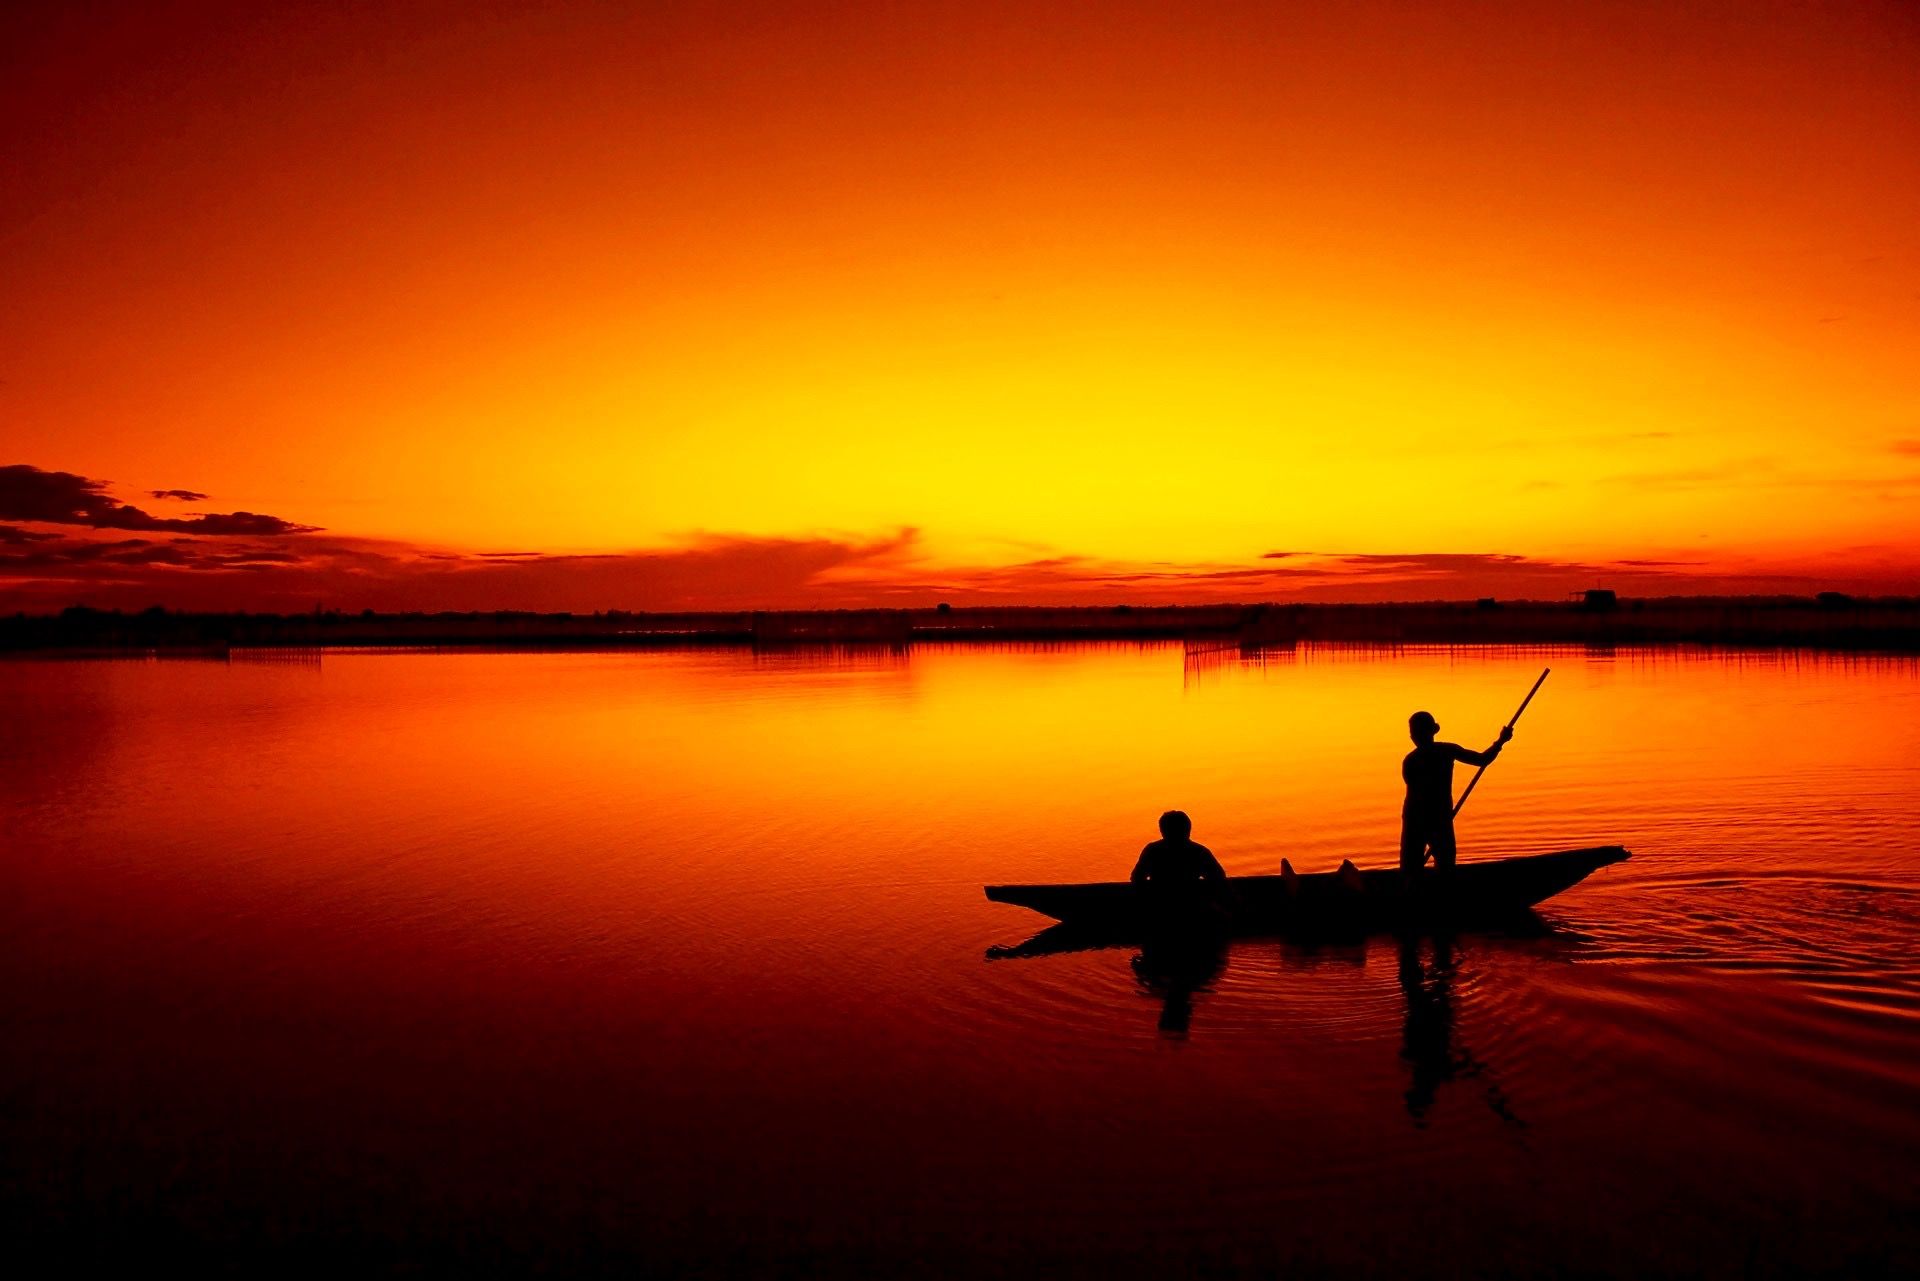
x=1056, y=940
x=1178, y=965
x=1214, y=634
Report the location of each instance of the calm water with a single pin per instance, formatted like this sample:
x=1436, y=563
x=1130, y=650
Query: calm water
x=679, y=960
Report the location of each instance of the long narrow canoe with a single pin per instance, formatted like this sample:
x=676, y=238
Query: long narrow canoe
x=1346, y=899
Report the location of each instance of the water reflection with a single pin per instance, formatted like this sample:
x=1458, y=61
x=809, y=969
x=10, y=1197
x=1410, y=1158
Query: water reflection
x=1427, y=1033
x=444, y=958
x=1053, y=941
x=1176, y=969
x=1429, y=1041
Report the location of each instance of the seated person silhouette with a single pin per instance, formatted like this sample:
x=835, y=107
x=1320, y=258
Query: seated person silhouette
x=1426, y=819
x=1177, y=869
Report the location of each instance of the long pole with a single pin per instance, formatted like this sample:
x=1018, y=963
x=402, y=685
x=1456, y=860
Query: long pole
x=1471, y=783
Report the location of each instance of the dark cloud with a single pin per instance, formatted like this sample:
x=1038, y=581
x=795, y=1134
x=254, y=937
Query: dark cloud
x=46, y=558
x=709, y=572
x=178, y=495
x=61, y=498
x=13, y=535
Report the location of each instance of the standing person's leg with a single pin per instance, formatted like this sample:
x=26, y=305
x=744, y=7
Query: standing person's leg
x=1413, y=849
x=1443, y=849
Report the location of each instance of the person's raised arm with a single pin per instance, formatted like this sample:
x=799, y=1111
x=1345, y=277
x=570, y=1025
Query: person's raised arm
x=1470, y=757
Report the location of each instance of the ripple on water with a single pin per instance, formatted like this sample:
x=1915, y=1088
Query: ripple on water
x=723, y=913
x=1787, y=926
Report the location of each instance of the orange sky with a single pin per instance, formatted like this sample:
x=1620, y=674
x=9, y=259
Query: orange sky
x=734, y=295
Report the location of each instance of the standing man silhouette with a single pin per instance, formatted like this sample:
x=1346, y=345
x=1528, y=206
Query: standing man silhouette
x=1426, y=819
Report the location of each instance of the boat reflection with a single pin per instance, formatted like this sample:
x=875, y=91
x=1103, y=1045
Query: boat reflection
x=1177, y=969
x=1054, y=941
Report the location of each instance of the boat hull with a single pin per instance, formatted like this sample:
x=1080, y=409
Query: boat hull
x=1381, y=899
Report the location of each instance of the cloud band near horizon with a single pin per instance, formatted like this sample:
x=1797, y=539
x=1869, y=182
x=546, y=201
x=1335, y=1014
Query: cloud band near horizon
x=64, y=543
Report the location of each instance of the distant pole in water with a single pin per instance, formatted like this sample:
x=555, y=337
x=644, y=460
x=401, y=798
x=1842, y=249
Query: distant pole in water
x=1510, y=724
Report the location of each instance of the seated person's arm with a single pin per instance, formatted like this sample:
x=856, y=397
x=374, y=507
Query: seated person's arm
x=1210, y=868
x=1140, y=869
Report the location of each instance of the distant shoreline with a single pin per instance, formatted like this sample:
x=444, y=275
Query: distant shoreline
x=1829, y=621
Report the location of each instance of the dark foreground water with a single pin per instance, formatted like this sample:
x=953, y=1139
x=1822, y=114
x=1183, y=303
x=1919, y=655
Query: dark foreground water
x=676, y=963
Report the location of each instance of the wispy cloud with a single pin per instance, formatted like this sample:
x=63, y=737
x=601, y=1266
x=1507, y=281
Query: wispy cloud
x=1769, y=473
x=1355, y=577
x=1715, y=475
x=1548, y=439
x=703, y=571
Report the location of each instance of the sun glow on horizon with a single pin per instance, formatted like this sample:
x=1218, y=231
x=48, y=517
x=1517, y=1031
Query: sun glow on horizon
x=1165, y=290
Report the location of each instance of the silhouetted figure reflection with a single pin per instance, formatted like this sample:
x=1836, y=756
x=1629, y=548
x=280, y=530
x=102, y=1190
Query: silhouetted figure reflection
x=1427, y=1036
x=1175, y=966
x=1426, y=818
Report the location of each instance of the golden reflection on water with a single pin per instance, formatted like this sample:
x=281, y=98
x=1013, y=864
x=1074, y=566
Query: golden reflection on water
x=703, y=931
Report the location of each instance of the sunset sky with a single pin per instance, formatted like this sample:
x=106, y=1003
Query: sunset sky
x=582, y=306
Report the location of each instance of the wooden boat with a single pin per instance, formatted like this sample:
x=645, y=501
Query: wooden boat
x=1343, y=900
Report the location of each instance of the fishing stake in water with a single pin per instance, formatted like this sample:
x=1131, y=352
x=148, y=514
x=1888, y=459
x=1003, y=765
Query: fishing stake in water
x=1510, y=724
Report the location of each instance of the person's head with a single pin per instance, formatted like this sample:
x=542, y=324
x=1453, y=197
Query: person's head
x=1175, y=825
x=1422, y=726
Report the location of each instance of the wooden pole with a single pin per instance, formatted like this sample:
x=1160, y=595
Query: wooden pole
x=1510, y=724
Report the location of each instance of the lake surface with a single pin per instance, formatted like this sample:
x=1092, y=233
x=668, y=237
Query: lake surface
x=678, y=962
